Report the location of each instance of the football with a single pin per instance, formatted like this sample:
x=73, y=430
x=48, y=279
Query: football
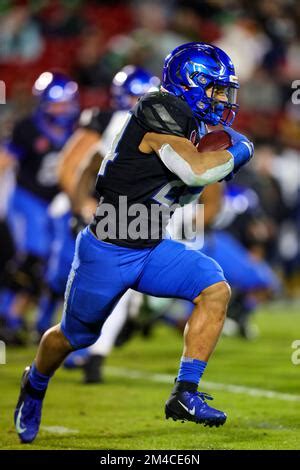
x=215, y=140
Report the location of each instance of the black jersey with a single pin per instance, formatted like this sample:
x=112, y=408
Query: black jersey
x=37, y=157
x=95, y=119
x=136, y=184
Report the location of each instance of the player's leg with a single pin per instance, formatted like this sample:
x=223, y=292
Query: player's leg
x=47, y=307
x=52, y=350
x=58, y=268
x=92, y=359
x=204, y=326
x=30, y=225
x=94, y=287
x=174, y=271
x=98, y=352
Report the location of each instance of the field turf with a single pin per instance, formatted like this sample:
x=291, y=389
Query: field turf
x=127, y=411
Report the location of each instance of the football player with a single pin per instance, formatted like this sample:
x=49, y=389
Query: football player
x=251, y=279
x=71, y=210
x=35, y=143
x=151, y=165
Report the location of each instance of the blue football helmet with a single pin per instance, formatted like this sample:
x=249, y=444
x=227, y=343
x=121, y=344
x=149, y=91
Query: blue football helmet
x=191, y=69
x=130, y=82
x=52, y=88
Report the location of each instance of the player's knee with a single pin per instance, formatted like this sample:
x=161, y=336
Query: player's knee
x=215, y=297
x=84, y=339
x=55, y=339
x=224, y=292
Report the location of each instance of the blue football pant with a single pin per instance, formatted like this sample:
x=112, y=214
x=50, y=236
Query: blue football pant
x=242, y=270
x=29, y=223
x=61, y=254
x=102, y=272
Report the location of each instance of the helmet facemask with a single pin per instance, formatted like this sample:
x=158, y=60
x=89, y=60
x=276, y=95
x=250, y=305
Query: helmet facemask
x=211, y=109
x=221, y=111
x=66, y=116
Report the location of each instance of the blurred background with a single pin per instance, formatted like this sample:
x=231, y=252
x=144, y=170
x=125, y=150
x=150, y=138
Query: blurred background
x=92, y=40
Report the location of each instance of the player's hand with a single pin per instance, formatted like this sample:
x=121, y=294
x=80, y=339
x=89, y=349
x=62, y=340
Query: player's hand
x=235, y=136
x=242, y=148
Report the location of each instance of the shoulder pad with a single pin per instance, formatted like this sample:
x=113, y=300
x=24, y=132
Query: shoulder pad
x=163, y=113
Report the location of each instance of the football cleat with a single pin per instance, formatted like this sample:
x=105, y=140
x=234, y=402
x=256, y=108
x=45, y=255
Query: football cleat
x=192, y=406
x=92, y=369
x=28, y=411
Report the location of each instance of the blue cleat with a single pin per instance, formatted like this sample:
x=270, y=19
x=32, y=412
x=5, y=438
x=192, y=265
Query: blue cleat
x=186, y=405
x=28, y=411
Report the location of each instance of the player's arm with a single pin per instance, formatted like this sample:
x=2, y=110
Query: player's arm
x=85, y=181
x=182, y=158
x=74, y=152
x=212, y=200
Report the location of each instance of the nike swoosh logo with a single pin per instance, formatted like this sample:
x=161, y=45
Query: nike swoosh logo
x=19, y=428
x=192, y=411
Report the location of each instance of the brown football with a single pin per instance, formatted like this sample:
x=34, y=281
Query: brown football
x=215, y=140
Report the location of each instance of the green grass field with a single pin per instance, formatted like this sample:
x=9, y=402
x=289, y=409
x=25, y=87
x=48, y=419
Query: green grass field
x=127, y=411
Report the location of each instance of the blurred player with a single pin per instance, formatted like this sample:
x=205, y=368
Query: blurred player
x=152, y=162
x=74, y=209
x=251, y=279
x=6, y=187
x=35, y=143
x=250, y=275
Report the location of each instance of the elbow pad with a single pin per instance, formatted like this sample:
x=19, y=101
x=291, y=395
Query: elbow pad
x=175, y=163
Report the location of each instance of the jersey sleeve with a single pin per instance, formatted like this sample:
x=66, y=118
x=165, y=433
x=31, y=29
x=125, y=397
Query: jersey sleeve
x=94, y=119
x=164, y=114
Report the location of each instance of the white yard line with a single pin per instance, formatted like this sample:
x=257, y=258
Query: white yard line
x=59, y=430
x=239, y=389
